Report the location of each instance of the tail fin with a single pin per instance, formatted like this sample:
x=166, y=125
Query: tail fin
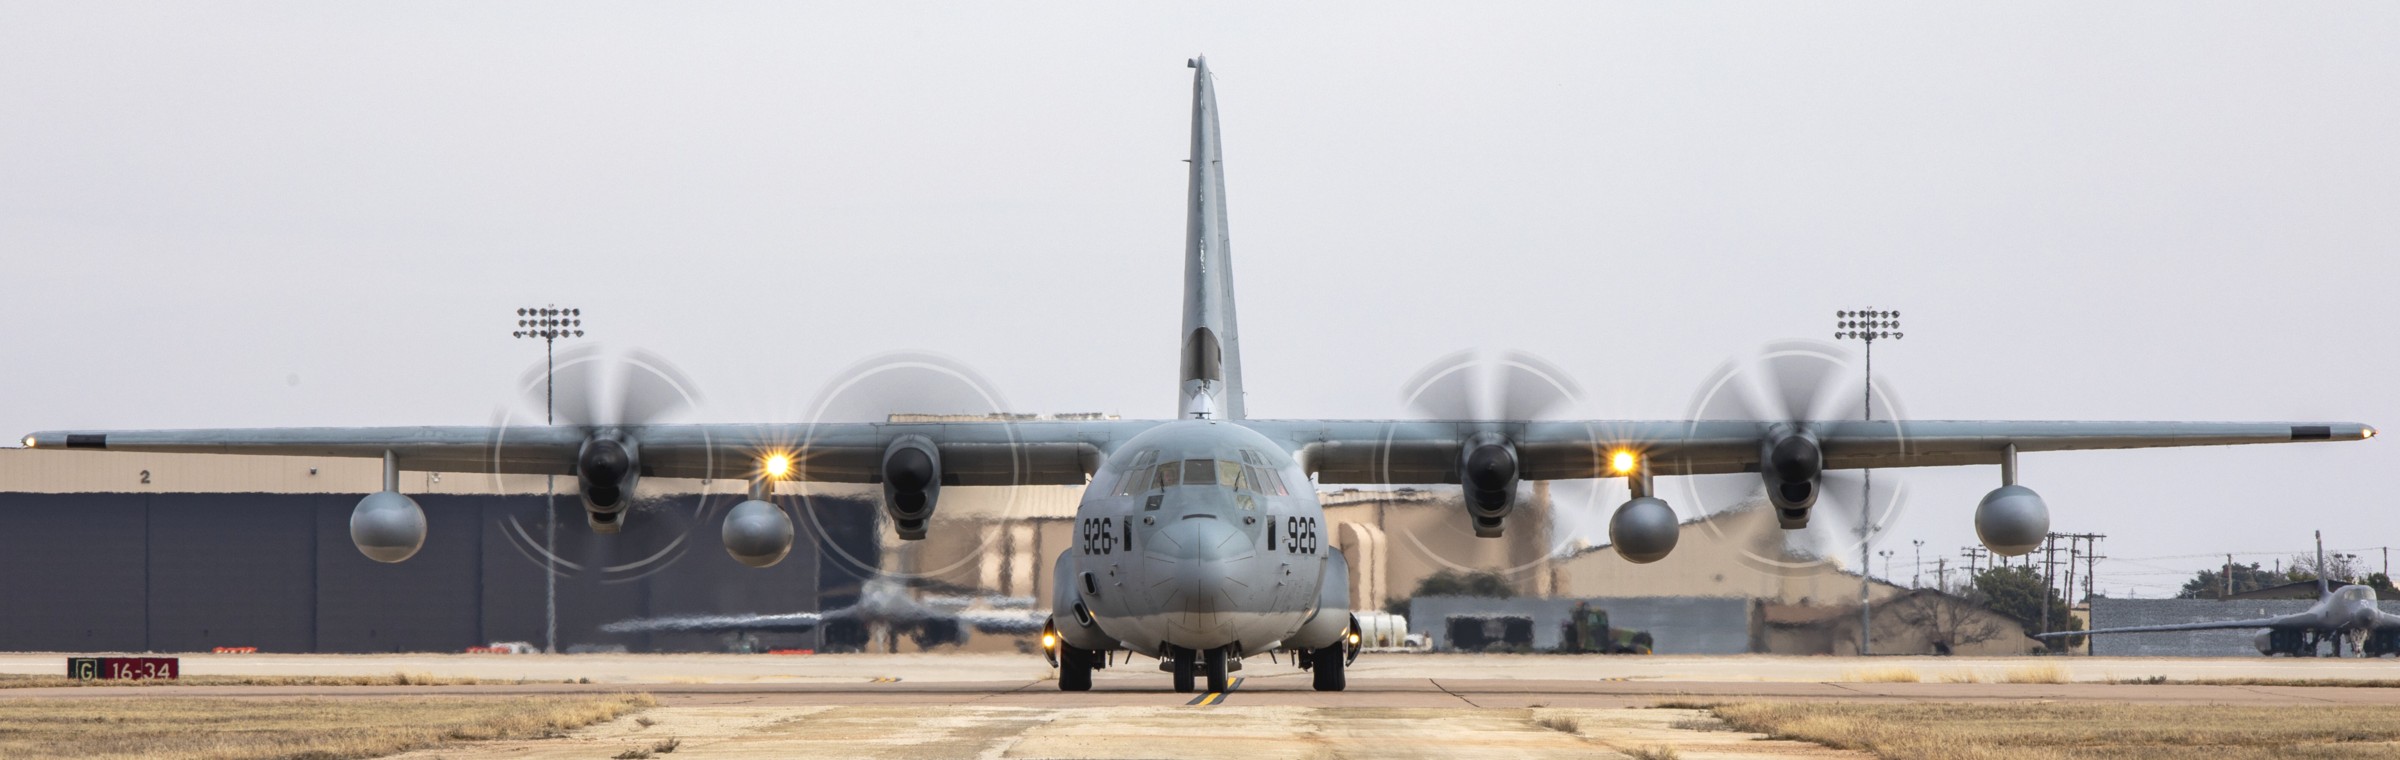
x=2324, y=585
x=1212, y=357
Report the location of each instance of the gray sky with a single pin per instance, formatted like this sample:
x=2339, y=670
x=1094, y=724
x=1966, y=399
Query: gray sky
x=313, y=214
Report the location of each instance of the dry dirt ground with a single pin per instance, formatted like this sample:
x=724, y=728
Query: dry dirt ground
x=1398, y=706
x=1249, y=733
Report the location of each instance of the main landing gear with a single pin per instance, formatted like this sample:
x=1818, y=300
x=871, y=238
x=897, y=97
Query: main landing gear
x=1182, y=662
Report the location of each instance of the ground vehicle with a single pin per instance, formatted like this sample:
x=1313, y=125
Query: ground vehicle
x=1587, y=631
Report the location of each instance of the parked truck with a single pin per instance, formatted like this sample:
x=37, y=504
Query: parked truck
x=1588, y=631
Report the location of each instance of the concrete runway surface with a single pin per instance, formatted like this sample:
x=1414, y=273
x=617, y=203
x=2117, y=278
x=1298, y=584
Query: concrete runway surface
x=1412, y=705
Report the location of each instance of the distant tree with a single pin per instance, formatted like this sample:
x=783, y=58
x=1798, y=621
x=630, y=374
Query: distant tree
x=2382, y=584
x=1453, y=583
x=2018, y=592
x=1949, y=622
x=2210, y=583
x=2340, y=567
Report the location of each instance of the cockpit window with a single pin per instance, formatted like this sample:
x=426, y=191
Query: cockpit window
x=1252, y=475
x=1199, y=472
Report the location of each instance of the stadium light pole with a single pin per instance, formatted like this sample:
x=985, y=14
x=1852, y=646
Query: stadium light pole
x=1866, y=325
x=549, y=323
x=1916, y=577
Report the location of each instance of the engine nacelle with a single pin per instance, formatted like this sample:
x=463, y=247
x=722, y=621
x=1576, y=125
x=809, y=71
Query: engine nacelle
x=758, y=533
x=387, y=527
x=1644, y=530
x=606, y=470
x=2012, y=520
x=1791, y=466
x=912, y=483
x=1487, y=474
x=2265, y=641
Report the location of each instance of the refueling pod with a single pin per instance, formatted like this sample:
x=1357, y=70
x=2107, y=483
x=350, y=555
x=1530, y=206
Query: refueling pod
x=2012, y=520
x=387, y=526
x=758, y=533
x=1644, y=530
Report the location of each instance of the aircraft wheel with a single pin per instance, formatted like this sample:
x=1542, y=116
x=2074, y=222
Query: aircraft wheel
x=1074, y=668
x=1218, y=678
x=1181, y=658
x=1328, y=668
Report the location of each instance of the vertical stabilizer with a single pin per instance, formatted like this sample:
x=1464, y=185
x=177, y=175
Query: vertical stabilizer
x=2324, y=584
x=1212, y=358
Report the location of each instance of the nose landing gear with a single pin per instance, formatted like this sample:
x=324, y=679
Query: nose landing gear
x=1181, y=661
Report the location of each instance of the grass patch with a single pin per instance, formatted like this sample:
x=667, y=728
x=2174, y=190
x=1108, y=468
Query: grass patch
x=1559, y=723
x=1882, y=675
x=1962, y=676
x=260, y=729
x=1941, y=731
x=2363, y=683
x=403, y=678
x=2048, y=672
x=1653, y=753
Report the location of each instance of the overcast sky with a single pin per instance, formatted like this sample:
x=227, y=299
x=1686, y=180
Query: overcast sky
x=325, y=214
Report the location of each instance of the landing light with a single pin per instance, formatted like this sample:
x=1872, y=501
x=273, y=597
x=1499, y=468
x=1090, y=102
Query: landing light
x=1049, y=641
x=778, y=465
x=1623, y=461
x=1354, y=638
x=29, y=439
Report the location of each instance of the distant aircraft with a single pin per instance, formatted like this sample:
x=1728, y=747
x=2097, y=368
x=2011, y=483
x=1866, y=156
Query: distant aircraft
x=2347, y=614
x=884, y=606
x=1200, y=539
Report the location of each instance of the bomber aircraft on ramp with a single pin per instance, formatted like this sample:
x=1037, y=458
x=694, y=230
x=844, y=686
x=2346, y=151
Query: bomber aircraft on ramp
x=2349, y=613
x=1201, y=536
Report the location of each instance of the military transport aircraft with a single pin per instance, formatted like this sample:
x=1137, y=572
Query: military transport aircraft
x=1202, y=542
x=2349, y=613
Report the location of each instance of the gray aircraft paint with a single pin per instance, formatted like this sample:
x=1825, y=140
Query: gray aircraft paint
x=1212, y=347
x=1207, y=590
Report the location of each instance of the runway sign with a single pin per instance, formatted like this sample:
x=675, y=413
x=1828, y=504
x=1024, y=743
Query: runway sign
x=121, y=668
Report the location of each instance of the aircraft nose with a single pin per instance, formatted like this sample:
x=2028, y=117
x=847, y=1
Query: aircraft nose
x=1193, y=564
x=1201, y=538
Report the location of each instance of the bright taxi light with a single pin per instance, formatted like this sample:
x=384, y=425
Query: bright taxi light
x=1354, y=638
x=1049, y=641
x=29, y=439
x=778, y=465
x=1623, y=461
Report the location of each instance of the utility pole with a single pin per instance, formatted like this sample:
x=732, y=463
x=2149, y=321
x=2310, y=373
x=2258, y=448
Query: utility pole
x=2229, y=578
x=1941, y=574
x=1867, y=326
x=549, y=323
x=1887, y=563
x=1973, y=553
x=2049, y=567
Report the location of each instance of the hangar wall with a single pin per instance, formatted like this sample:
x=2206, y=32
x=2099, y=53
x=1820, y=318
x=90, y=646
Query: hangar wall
x=160, y=570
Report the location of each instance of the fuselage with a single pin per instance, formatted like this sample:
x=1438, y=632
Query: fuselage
x=1199, y=534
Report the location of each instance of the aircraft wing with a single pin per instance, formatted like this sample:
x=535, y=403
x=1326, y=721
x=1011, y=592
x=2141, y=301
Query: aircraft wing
x=790, y=622
x=1021, y=622
x=2385, y=621
x=1371, y=451
x=973, y=453
x=1337, y=451
x=2295, y=620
